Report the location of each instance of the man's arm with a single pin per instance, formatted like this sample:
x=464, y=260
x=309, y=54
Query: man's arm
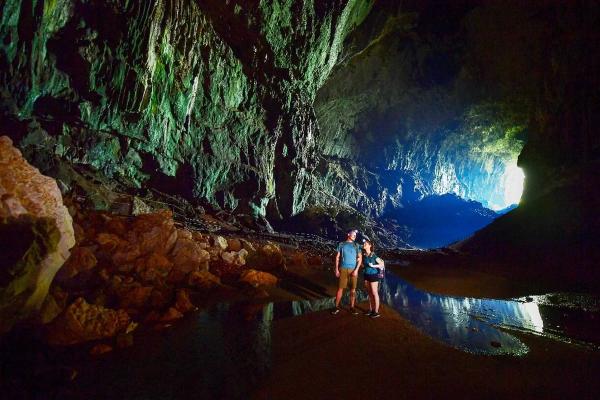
x=337, y=264
x=358, y=264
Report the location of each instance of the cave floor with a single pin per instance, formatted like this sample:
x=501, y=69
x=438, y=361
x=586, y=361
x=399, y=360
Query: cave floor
x=318, y=355
x=321, y=356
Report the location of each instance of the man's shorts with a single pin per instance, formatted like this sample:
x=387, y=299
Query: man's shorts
x=345, y=275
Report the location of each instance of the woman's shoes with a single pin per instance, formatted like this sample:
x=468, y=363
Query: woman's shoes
x=335, y=311
x=375, y=315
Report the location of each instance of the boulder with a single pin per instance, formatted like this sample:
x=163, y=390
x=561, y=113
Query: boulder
x=184, y=234
x=183, y=303
x=126, y=254
x=138, y=207
x=36, y=232
x=153, y=266
x=203, y=280
x=235, y=258
x=161, y=297
x=81, y=259
x=109, y=242
x=101, y=348
x=258, y=278
x=82, y=322
x=171, y=315
x=268, y=258
x=248, y=246
x=221, y=242
x=154, y=232
x=134, y=296
x=188, y=256
x=50, y=310
x=234, y=244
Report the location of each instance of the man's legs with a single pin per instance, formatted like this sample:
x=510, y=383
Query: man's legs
x=342, y=284
x=338, y=297
x=353, y=284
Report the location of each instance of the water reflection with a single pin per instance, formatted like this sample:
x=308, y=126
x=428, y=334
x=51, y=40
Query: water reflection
x=225, y=351
x=467, y=324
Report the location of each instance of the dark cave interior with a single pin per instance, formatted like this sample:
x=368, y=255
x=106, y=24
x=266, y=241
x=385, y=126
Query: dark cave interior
x=467, y=127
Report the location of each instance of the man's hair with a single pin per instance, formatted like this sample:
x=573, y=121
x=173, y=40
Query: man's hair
x=352, y=230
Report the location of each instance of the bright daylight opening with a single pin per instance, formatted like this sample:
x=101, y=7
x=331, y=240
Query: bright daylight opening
x=513, y=184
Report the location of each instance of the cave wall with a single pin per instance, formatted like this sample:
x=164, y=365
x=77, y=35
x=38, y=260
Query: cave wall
x=407, y=99
x=270, y=107
x=209, y=100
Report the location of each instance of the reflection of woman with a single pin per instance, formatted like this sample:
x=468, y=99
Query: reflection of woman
x=373, y=268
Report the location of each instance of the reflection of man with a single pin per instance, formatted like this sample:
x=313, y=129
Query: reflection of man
x=347, y=263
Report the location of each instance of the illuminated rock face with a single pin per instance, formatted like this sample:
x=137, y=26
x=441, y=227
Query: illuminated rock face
x=270, y=107
x=36, y=233
x=210, y=100
x=407, y=104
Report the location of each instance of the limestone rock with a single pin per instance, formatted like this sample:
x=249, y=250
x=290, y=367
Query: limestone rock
x=184, y=234
x=248, y=246
x=203, y=280
x=257, y=278
x=154, y=232
x=135, y=296
x=235, y=258
x=138, y=207
x=82, y=322
x=36, y=232
x=171, y=315
x=188, y=256
x=220, y=242
x=153, y=266
x=109, y=242
x=267, y=258
x=234, y=244
x=101, y=348
x=82, y=259
x=183, y=303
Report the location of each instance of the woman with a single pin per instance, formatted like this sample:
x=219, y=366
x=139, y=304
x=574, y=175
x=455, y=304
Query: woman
x=373, y=270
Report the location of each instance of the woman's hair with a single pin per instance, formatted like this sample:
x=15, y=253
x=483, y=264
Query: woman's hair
x=371, y=243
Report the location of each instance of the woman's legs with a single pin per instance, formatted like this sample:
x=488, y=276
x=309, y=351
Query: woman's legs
x=371, y=300
x=374, y=293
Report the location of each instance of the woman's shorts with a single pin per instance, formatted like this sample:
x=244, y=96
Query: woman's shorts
x=371, y=278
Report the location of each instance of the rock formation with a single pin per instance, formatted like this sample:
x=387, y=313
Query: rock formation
x=211, y=100
x=36, y=233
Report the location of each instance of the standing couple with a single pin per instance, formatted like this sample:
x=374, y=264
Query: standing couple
x=348, y=261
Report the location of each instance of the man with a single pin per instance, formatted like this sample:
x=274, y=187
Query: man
x=347, y=262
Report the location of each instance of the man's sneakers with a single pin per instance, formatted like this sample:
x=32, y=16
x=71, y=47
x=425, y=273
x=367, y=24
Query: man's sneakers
x=368, y=313
x=335, y=311
x=354, y=311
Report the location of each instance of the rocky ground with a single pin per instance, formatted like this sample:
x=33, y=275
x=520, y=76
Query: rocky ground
x=130, y=274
